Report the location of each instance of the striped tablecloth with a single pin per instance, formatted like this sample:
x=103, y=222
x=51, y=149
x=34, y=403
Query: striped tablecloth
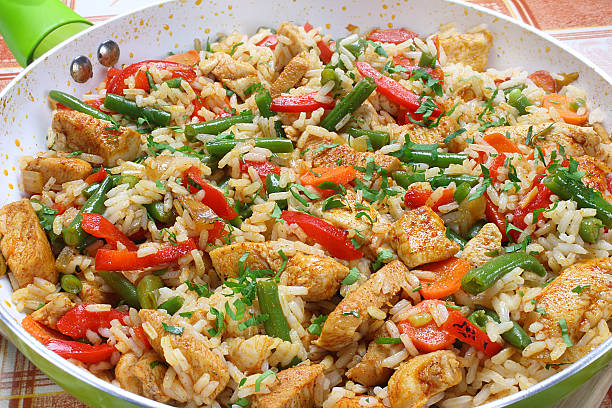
x=584, y=25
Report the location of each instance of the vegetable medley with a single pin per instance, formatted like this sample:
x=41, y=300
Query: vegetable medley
x=283, y=219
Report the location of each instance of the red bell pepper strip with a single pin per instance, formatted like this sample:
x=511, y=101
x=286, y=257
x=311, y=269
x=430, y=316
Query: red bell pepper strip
x=541, y=200
x=447, y=197
x=269, y=41
x=609, y=182
x=544, y=80
x=78, y=320
x=189, y=58
x=116, y=84
x=113, y=260
x=141, y=81
x=197, y=105
x=139, y=332
x=39, y=331
x=100, y=227
x=262, y=168
x=428, y=337
x=493, y=215
x=394, y=35
x=213, y=197
x=469, y=333
x=85, y=353
x=325, y=52
x=97, y=176
x=301, y=103
x=331, y=238
x=416, y=197
x=394, y=91
x=411, y=66
x=216, y=231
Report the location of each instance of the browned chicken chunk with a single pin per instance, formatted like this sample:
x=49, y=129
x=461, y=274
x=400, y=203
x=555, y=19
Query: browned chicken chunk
x=50, y=313
x=62, y=169
x=344, y=155
x=90, y=135
x=291, y=75
x=422, y=377
x=198, y=356
x=236, y=75
x=142, y=375
x=24, y=244
x=358, y=402
x=298, y=39
x=420, y=237
x=381, y=288
x=488, y=240
x=469, y=49
x=581, y=308
x=370, y=371
x=596, y=172
x=294, y=388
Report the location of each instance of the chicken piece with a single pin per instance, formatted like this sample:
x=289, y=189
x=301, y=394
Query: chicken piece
x=95, y=136
x=225, y=259
x=236, y=75
x=201, y=214
x=299, y=41
x=221, y=301
x=150, y=371
x=321, y=275
x=24, y=244
x=488, y=240
x=422, y=377
x=291, y=75
x=294, y=388
x=92, y=293
x=577, y=140
x=424, y=135
x=383, y=287
x=192, y=345
x=346, y=217
x=347, y=156
x=420, y=237
x=62, y=169
x=124, y=373
x=356, y=402
x=249, y=355
x=469, y=49
x=580, y=308
x=50, y=313
x=370, y=371
x=596, y=172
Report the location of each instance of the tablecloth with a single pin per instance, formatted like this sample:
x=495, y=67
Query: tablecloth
x=583, y=25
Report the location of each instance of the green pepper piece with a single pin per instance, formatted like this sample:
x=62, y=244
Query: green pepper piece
x=157, y=212
x=146, y=290
x=519, y=101
x=269, y=303
x=71, y=284
x=172, y=305
x=377, y=139
x=273, y=186
x=121, y=286
x=404, y=179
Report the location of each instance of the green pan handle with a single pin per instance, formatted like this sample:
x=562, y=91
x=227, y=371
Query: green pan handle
x=32, y=27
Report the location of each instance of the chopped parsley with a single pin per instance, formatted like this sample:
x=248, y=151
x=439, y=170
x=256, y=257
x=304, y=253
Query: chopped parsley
x=578, y=289
x=388, y=340
x=352, y=276
x=351, y=313
x=454, y=135
x=537, y=308
x=317, y=325
x=202, y=290
x=186, y=314
x=220, y=323
x=262, y=377
x=565, y=333
x=178, y=330
x=234, y=47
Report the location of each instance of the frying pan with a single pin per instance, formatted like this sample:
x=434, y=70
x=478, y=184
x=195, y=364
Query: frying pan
x=153, y=31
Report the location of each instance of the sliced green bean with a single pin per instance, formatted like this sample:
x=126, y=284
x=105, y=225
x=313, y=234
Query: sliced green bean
x=443, y=180
x=519, y=101
x=121, y=286
x=216, y=126
x=78, y=105
x=453, y=236
x=461, y=192
x=329, y=74
x=404, y=179
x=71, y=284
x=128, y=107
x=433, y=158
x=348, y=104
x=73, y=234
x=156, y=210
x=357, y=47
x=125, y=179
x=146, y=290
x=269, y=303
x=172, y=305
x=263, y=99
x=590, y=228
x=475, y=229
x=274, y=144
x=516, y=336
x=377, y=138
x=273, y=186
x=481, y=278
x=569, y=188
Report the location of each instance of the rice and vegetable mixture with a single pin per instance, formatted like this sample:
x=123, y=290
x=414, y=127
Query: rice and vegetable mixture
x=283, y=220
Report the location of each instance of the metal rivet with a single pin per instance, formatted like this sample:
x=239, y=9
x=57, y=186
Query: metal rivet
x=108, y=53
x=81, y=69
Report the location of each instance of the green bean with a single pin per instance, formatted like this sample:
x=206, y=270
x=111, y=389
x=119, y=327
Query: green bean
x=151, y=82
x=73, y=234
x=357, y=47
x=377, y=139
x=273, y=186
x=329, y=74
x=269, y=303
x=348, y=104
x=216, y=126
x=589, y=229
x=484, y=276
x=453, y=236
x=433, y=158
x=516, y=336
x=263, y=99
x=404, y=179
x=569, y=188
x=475, y=229
x=128, y=107
x=125, y=179
x=156, y=210
x=575, y=105
x=174, y=83
x=172, y=305
x=121, y=286
x=78, y=105
x=519, y=101
x=274, y=144
x=90, y=189
x=146, y=290
x=278, y=128
x=443, y=180
x=461, y=192
x=427, y=60
x=71, y=284
x=519, y=87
